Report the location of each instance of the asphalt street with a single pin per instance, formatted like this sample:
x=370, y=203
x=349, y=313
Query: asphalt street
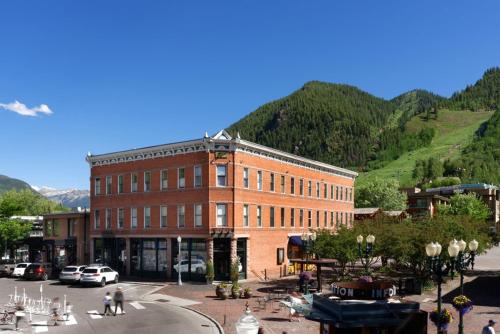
x=142, y=316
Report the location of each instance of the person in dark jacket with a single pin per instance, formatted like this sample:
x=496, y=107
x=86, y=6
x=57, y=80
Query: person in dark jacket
x=118, y=300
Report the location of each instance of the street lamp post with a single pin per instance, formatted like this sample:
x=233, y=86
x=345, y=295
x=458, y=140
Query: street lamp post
x=365, y=254
x=440, y=269
x=308, y=241
x=179, y=279
x=464, y=260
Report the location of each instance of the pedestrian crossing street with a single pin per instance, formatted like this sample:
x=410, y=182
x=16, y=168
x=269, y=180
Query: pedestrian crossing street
x=43, y=326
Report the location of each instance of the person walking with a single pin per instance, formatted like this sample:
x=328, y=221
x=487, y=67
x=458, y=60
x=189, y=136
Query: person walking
x=19, y=314
x=55, y=310
x=107, y=303
x=118, y=300
x=488, y=329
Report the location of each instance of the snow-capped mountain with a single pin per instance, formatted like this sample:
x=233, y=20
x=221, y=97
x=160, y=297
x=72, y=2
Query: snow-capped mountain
x=70, y=198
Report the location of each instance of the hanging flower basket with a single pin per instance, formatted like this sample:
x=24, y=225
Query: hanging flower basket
x=462, y=304
x=441, y=320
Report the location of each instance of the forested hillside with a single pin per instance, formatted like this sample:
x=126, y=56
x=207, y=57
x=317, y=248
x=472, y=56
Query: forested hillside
x=7, y=183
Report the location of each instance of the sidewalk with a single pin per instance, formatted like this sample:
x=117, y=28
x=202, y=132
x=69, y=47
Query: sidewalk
x=202, y=298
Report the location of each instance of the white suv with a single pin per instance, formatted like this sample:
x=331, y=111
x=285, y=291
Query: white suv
x=98, y=275
x=19, y=269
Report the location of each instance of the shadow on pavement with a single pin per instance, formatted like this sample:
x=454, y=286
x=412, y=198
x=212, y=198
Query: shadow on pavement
x=483, y=291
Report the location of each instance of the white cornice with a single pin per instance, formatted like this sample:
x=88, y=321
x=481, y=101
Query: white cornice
x=220, y=142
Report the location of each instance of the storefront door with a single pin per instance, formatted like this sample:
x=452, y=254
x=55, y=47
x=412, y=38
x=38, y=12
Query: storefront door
x=222, y=258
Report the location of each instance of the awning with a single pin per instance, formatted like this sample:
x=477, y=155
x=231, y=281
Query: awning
x=295, y=240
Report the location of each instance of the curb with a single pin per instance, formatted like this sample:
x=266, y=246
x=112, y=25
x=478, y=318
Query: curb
x=219, y=327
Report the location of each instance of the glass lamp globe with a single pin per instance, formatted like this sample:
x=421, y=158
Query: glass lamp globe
x=473, y=245
x=453, y=250
x=462, y=244
x=370, y=239
x=359, y=239
x=430, y=249
x=247, y=324
x=438, y=249
x=313, y=236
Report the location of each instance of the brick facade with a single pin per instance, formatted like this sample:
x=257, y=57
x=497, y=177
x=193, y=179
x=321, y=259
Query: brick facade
x=246, y=167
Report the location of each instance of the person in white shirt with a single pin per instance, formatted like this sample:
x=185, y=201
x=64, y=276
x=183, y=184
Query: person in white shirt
x=107, y=304
x=489, y=328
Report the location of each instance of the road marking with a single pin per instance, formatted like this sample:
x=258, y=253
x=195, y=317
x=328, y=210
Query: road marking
x=94, y=314
x=71, y=321
x=40, y=326
x=137, y=305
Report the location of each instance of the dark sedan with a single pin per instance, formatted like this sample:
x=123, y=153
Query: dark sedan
x=36, y=271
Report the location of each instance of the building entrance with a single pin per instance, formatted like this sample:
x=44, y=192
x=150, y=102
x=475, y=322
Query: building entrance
x=222, y=258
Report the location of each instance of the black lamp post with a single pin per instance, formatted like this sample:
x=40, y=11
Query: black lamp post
x=463, y=261
x=365, y=253
x=308, y=241
x=440, y=269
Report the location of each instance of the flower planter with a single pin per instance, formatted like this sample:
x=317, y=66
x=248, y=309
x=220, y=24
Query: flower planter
x=224, y=294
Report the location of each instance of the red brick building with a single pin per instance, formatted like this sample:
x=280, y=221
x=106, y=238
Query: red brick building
x=226, y=197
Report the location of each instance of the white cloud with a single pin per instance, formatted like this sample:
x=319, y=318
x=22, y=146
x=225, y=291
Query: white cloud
x=21, y=109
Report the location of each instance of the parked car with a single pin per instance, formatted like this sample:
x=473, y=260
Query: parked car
x=7, y=267
x=36, y=271
x=71, y=274
x=19, y=269
x=197, y=266
x=98, y=275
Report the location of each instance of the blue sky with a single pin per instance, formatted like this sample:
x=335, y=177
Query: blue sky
x=124, y=74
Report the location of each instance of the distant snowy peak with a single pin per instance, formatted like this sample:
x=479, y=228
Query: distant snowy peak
x=70, y=198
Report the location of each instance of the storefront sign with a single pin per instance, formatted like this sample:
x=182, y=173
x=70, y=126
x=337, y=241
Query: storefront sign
x=363, y=290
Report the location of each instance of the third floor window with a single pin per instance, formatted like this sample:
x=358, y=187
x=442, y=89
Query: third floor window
x=164, y=179
x=197, y=176
x=181, y=178
x=292, y=186
x=134, y=182
x=108, y=184
x=147, y=181
x=271, y=184
x=245, y=177
x=120, y=184
x=97, y=186
x=282, y=184
x=259, y=180
x=221, y=175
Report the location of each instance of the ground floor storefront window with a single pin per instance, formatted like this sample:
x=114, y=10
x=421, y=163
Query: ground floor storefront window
x=242, y=257
x=148, y=257
x=193, y=259
x=110, y=252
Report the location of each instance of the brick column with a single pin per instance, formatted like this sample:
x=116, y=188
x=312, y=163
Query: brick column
x=128, y=253
x=169, y=257
x=210, y=249
x=234, y=254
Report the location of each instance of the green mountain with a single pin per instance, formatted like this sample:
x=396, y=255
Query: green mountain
x=344, y=126
x=334, y=123
x=7, y=183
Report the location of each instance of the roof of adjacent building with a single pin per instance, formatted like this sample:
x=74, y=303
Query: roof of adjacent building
x=366, y=211
x=394, y=213
x=221, y=141
x=466, y=186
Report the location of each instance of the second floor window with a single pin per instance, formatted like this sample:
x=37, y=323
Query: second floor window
x=271, y=217
x=271, y=184
x=181, y=216
x=197, y=176
x=325, y=222
x=133, y=218
x=221, y=215
x=221, y=175
x=309, y=188
x=282, y=218
x=164, y=179
x=292, y=186
x=317, y=189
x=282, y=184
x=331, y=219
x=292, y=217
x=97, y=186
x=341, y=193
x=181, y=178
x=147, y=217
x=317, y=218
x=337, y=220
x=147, y=181
x=121, y=218
x=259, y=216
x=108, y=184
x=245, y=215
x=259, y=180
x=120, y=184
x=337, y=193
x=325, y=190
x=163, y=216
x=134, y=182
x=97, y=219
x=331, y=191
x=309, y=218
x=301, y=187
x=108, y=219
x=245, y=177
x=198, y=218
x=301, y=217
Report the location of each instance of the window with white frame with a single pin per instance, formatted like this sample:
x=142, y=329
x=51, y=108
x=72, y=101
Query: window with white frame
x=197, y=176
x=292, y=217
x=121, y=218
x=332, y=192
x=325, y=186
x=337, y=193
x=147, y=181
x=325, y=222
x=271, y=182
x=97, y=185
x=341, y=218
x=292, y=185
x=282, y=217
x=133, y=180
x=259, y=180
x=350, y=194
x=346, y=191
x=317, y=218
x=147, y=217
x=337, y=220
x=221, y=175
x=120, y=184
x=309, y=188
x=271, y=217
x=181, y=178
x=301, y=218
x=221, y=215
x=109, y=181
x=164, y=179
x=317, y=189
x=341, y=193
x=245, y=178
x=301, y=187
x=259, y=216
x=133, y=218
x=282, y=184
x=107, y=214
x=97, y=219
x=163, y=216
x=332, y=223
x=181, y=216
x=198, y=222
x=245, y=215
x=309, y=218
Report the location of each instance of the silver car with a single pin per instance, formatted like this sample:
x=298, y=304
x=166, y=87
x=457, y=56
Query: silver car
x=71, y=274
